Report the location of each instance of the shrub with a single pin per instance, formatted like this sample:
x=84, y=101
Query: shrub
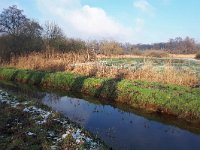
x=156, y=53
x=197, y=55
x=136, y=52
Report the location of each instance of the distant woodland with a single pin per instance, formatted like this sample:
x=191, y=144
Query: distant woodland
x=20, y=35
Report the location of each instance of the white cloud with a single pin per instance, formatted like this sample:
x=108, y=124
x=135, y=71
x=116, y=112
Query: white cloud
x=143, y=5
x=84, y=21
x=95, y=22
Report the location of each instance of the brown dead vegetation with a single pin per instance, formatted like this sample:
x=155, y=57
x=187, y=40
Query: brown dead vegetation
x=148, y=72
x=75, y=62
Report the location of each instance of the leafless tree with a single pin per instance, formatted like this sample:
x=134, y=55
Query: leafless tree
x=12, y=21
x=18, y=33
x=53, y=35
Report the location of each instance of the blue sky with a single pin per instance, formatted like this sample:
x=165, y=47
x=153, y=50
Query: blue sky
x=135, y=21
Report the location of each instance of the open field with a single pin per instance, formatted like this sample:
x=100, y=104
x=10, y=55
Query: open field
x=162, y=70
x=181, y=101
x=140, y=56
x=133, y=63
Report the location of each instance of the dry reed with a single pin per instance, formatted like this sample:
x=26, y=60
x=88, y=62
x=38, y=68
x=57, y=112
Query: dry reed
x=48, y=60
x=67, y=62
x=148, y=72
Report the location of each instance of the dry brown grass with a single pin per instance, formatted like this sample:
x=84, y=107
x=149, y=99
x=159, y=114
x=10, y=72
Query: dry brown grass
x=48, y=60
x=168, y=75
x=182, y=55
x=142, y=56
x=100, y=56
x=156, y=53
x=53, y=61
x=148, y=53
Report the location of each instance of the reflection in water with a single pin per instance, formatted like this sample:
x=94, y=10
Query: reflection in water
x=123, y=130
x=118, y=127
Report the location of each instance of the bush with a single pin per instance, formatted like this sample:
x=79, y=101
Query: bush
x=156, y=53
x=136, y=52
x=197, y=55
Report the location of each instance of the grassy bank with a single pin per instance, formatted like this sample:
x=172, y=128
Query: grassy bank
x=181, y=101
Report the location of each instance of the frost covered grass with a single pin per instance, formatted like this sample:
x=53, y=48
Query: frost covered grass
x=148, y=71
x=32, y=125
x=43, y=115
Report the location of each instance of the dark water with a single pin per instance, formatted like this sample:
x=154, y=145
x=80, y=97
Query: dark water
x=121, y=128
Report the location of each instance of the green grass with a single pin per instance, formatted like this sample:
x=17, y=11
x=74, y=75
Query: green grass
x=181, y=101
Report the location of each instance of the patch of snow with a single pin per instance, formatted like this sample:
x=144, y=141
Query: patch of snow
x=25, y=103
x=7, y=99
x=78, y=141
x=38, y=112
x=64, y=136
x=54, y=147
x=77, y=134
x=15, y=104
x=51, y=133
x=80, y=137
x=30, y=133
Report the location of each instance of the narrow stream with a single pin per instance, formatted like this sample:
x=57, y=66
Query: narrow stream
x=118, y=127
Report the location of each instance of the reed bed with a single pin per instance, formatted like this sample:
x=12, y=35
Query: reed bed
x=148, y=72
x=82, y=63
x=49, y=60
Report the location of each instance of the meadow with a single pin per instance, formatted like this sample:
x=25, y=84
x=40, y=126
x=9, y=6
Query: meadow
x=163, y=70
x=187, y=64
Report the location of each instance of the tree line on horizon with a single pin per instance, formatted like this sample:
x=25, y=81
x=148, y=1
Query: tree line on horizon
x=20, y=35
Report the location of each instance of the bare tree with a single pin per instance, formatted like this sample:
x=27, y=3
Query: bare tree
x=53, y=35
x=18, y=33
x=12, y=21
x=111, y=47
